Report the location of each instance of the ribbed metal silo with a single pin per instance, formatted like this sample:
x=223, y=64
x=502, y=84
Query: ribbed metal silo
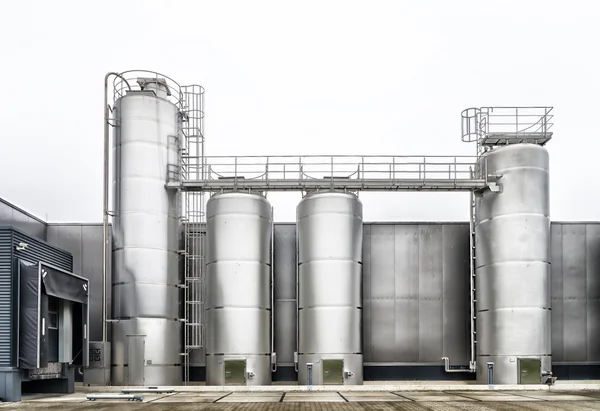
x=239, y=232
x=147, y=332
x=330, y=235
x=512, y=231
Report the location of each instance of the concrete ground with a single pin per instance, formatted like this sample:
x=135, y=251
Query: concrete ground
x=459, y=399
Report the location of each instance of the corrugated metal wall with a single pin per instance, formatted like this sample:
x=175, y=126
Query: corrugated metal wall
x=6, y=282
x=35, y=251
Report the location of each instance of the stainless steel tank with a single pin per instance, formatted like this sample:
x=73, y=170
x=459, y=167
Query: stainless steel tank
x=330, y=235
x=238, y=310
x=513, y=267
x=147, y=334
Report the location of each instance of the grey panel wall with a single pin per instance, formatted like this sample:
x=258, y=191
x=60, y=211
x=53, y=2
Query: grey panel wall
x=415, y=293
x=575, y=293
x=285, y=293
x=22, y=220
x=84, y=242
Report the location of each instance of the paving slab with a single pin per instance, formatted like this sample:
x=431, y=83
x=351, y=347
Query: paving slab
x=78, y=397
x=374, y=398
x=558, y=396
x=495, y=396
x=433, y=396
x=254, y=398
x=313, y=397
x=256, y=394
x=190, y=397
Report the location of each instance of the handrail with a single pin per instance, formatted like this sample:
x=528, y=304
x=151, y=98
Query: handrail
x=361, y=168
x=516, y=122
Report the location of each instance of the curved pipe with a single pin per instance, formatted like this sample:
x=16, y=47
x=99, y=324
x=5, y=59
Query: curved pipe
x=105, y=244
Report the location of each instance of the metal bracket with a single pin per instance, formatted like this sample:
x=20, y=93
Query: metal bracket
x=273, y=361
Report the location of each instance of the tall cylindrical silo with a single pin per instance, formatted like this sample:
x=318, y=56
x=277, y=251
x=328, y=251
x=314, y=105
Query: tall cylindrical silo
x=512, y=232
x=330, y=234
x=238, y=310
x=147, y=332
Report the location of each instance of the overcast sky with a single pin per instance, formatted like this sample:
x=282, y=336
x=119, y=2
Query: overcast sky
x=304, y=77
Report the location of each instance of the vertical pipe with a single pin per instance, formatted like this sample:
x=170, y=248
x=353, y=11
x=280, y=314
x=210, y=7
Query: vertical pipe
x=105, y=244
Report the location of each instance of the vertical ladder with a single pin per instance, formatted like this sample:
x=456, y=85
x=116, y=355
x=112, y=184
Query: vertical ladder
x=192, y=167
x=472, y=284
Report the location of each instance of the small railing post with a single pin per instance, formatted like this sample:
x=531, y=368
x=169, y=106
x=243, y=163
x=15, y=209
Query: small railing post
x=267, y=171
x=455, y=172
x=393, y=170
x=235, y=172
x=362, y=170
x=331, y=179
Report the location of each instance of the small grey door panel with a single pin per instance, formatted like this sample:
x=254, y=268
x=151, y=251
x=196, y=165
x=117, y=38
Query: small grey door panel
x=137, y=358
x=333, y=372
x=235, y=372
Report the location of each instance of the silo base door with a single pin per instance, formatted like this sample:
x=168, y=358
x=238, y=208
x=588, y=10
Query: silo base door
x=333, y=372
x=530, y=370
x=235, y=372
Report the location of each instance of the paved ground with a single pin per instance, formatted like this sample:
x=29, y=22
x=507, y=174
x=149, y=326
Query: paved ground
x=326, y=401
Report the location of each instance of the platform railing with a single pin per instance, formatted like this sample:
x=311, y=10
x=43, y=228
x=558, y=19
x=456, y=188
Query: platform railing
x=517, y=123
x=362, y=168
x=353, y=172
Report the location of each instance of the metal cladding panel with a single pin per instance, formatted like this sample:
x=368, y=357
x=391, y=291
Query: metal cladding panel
x=238, y=309
x=69, y=237
x=513, y=276
x=22, y=220
x=430, y=283
x=7, y=342
x=593, y=291
x=405, y=293
x=367, y=316
x=84, y=241
x=330, y=235
x=456, y=308
x=284, y=261
x=91, y=268
x=382, y=295
x=556, y=260
x=146, y=223
x=574, y=293
x=38, y=250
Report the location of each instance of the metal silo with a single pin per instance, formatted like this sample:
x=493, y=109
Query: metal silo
x=512, y=232
x=146, y=329
x=239, y=339
x=330, y=235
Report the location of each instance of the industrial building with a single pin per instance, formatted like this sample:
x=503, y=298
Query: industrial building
x=191, y=280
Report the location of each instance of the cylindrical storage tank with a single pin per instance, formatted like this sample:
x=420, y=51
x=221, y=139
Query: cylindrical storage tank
x=512, y=232
x=145, y=294
x=238, y=310
x=330, y=235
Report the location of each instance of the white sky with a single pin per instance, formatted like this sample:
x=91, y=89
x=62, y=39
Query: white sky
x=304, y=77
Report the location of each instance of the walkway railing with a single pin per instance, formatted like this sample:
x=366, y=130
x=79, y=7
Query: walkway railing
x=352, y=172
